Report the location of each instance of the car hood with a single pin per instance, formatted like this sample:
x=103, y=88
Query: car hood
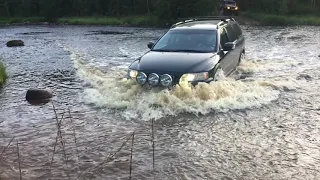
x=174, y=62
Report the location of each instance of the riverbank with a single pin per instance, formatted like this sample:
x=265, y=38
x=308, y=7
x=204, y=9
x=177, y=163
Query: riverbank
x=3, y=74
x=140, y=21
x=153, y=21
x=281, y=20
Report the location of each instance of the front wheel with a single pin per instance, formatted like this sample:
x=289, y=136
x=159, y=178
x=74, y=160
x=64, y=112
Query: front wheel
x=218, y=75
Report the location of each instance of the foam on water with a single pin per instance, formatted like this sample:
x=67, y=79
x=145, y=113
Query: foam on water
x=112, y=90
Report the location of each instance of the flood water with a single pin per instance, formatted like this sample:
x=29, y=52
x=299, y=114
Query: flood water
x=263, y=122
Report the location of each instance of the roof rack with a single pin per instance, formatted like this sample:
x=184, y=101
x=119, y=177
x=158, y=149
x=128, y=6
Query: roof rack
x=203, y=18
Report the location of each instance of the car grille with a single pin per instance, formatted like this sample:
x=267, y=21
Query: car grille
x=175, y=78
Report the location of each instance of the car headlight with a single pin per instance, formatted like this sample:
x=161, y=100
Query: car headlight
x=141, y=78
x=166, y=80
x=236, y=8
x=153, y=79
x=132, y=73
x=228, y=7
x=194, y=77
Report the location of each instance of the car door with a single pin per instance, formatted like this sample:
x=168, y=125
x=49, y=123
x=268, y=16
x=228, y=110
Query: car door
x=240, y=39
x=234, y=36
x=226, y=61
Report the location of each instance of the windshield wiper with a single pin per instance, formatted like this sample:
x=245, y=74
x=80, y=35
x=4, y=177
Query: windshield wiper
x=189, y=50
x=162, y=50
x=180, y=50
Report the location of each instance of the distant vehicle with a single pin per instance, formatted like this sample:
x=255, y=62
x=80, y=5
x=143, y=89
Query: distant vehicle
x=194, y=50
x=228, y=7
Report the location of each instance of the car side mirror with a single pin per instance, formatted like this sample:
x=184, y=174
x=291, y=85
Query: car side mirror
x=150, y=45
x=229, y=46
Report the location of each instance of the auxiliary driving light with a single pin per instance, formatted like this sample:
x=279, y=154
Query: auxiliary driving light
x=141, y=78
x=153, y=79
x=166, y=80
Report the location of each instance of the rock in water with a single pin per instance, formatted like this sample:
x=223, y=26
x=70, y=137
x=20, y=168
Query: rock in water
x=38, y=97
x=15, y=43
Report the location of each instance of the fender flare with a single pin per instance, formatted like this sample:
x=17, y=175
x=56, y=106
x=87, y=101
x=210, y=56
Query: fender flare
x=215, y=68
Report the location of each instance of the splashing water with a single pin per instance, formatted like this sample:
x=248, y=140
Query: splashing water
x=112, y=90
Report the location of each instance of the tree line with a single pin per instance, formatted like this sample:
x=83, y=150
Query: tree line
x=164, y=9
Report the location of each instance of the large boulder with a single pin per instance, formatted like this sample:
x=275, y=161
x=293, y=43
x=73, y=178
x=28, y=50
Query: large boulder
x=15, y=43
x=38, y=97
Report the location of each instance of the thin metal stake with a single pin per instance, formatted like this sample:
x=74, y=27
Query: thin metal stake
x=131, y=155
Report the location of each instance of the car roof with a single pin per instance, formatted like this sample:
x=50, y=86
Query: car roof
x=208, y=25
x=201, y=24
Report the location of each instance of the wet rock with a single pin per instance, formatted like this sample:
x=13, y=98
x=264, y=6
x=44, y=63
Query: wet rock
x=108, y=32
x=226, y=178
x=287, y=89
x=15, y=43
x=280, y=126
x=304, y=76
x=33, y=33
x=38, y=97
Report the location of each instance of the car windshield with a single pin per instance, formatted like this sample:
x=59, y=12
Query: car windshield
x=201, y=41
x=230, y=3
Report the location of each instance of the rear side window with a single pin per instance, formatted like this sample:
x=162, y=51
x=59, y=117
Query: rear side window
x=237, y=29
x=232, y=35
x=223, y=37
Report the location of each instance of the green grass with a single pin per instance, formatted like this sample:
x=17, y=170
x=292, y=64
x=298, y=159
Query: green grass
x=116, y=21
x=283, y=20
x=153, y=21
x=143, y=20
x=3, y=75
x=12, y=20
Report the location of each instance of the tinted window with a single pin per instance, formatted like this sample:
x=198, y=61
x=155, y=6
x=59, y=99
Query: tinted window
x=237, y=29
x=223, y=37
x=231, y=3
x=232, y=35
x=187, y=40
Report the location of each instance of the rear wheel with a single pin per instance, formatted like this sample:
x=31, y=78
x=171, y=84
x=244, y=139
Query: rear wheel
x=242, y=57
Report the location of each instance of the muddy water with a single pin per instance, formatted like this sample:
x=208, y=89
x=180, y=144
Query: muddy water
x=261, y=123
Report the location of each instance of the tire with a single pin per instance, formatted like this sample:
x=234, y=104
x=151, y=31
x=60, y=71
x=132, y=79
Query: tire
x=218, y=74
x=242, y=57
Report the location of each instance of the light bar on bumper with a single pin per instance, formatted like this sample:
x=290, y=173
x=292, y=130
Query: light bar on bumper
x=166, y=80
x=153, y=79
x=141, y=78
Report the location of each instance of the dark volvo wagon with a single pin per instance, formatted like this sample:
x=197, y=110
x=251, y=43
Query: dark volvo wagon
x=194, y=50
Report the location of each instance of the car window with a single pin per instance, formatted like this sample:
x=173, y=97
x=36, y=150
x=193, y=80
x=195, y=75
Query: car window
x=187, y=40
x=237, y=29
x=230, y=3
x=164, y=41
x=232, y=35
x=223, y=37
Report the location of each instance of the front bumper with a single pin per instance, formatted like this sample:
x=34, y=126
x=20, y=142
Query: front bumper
x=174, y=83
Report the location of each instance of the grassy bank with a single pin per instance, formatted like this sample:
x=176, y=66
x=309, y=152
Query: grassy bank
x=153, y=21
x=13, y=20
x=3, y=75
x=118, y=21
x=281, y=20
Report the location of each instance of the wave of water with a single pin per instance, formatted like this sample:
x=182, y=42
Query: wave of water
x=111, y=90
